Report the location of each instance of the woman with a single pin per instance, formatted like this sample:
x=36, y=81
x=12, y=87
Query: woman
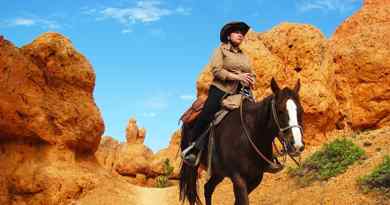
x=231, y=70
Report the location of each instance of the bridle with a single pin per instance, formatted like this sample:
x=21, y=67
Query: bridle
x=281, y=136
x=276, y=119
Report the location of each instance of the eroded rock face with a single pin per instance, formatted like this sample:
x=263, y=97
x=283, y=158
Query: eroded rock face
x=361, y=50
x=38, y=173
x=134, y=134
x=47, y=94
x=107, y=154
x=129, y=160
x=135, y=160
x=375, y=3
x=172, y=153
x=50, y=128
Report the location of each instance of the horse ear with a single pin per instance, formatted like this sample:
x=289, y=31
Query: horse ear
x=274, y=86
x=297, y=86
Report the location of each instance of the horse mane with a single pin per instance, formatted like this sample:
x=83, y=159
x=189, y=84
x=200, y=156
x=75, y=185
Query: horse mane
x=261, y=121
x=262, y=109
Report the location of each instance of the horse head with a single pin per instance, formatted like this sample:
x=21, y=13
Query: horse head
x=287, y=114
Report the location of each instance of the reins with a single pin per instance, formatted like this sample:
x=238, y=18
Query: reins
x=249, y=138
x=281, y=133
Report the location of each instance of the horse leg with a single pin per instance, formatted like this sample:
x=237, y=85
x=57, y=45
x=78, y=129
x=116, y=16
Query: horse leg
x=210, y=186
x=252, y=184
x=240, y=190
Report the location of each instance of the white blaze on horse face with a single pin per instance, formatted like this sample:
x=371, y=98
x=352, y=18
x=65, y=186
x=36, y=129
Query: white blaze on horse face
x=293, y=120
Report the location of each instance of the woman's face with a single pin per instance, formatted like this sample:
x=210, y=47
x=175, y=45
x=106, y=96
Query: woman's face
x=236, y=37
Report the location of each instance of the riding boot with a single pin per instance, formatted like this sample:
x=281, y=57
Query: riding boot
x=190, y=157
x=192, y=153
x=275, y=167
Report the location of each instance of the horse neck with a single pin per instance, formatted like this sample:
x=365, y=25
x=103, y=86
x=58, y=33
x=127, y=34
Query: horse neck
x=265, y=129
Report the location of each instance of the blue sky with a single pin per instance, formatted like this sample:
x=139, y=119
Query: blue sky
x=147, y=54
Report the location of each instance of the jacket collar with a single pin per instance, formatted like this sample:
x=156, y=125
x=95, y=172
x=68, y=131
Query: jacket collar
x=229, y=46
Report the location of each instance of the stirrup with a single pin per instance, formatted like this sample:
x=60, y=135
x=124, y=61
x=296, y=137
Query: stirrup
x=185, y=153
x=188, y=149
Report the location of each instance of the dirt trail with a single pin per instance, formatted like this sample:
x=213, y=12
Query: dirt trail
x=154, y=196
x=282, y=189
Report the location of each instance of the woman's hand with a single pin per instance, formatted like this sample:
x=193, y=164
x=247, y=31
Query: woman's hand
x=246, y=78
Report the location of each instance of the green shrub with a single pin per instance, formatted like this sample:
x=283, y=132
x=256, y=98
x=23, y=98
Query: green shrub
x=163, y=180
x=378, y=179
x=333, y=159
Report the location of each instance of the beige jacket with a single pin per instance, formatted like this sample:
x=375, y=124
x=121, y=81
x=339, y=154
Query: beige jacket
x=225, y=62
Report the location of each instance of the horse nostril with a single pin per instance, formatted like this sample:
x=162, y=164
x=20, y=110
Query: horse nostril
x=301, y=148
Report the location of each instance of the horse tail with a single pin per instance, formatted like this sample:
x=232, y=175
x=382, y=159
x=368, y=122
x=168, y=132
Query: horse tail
x=188, y=176
x=188, y=184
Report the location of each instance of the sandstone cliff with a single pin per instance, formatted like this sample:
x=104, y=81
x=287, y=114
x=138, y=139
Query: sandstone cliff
x=50, y=127
x=361, y=50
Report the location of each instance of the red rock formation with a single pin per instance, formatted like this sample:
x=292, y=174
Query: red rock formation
x=361, y=50
x=133, y=134
x=172, y=152
x=375, y=3
x=107, y=154
x=50, y=127
x=131, y=159
x=47, y=94
x=135, y=160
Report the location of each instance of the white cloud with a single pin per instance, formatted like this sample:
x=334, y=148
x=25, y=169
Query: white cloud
x=158, y=102
x=127, y=30
x=23, y=22
x=144, y=11
x=183, y=11
x=325, y=5
x=187, y=97
x=88, y=11
x=149, y=114
x=49, y=24
x=32, y=21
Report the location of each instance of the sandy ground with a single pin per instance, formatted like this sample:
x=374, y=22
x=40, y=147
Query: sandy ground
x=282, y=189
x=154, y=196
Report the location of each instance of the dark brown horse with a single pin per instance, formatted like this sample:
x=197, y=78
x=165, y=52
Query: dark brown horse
x=236, y=151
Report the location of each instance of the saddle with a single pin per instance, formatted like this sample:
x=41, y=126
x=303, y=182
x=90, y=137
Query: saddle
x=192, y=113
x=229, y=103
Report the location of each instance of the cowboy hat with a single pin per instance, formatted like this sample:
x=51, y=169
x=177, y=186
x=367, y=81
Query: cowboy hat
x=233, y=26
